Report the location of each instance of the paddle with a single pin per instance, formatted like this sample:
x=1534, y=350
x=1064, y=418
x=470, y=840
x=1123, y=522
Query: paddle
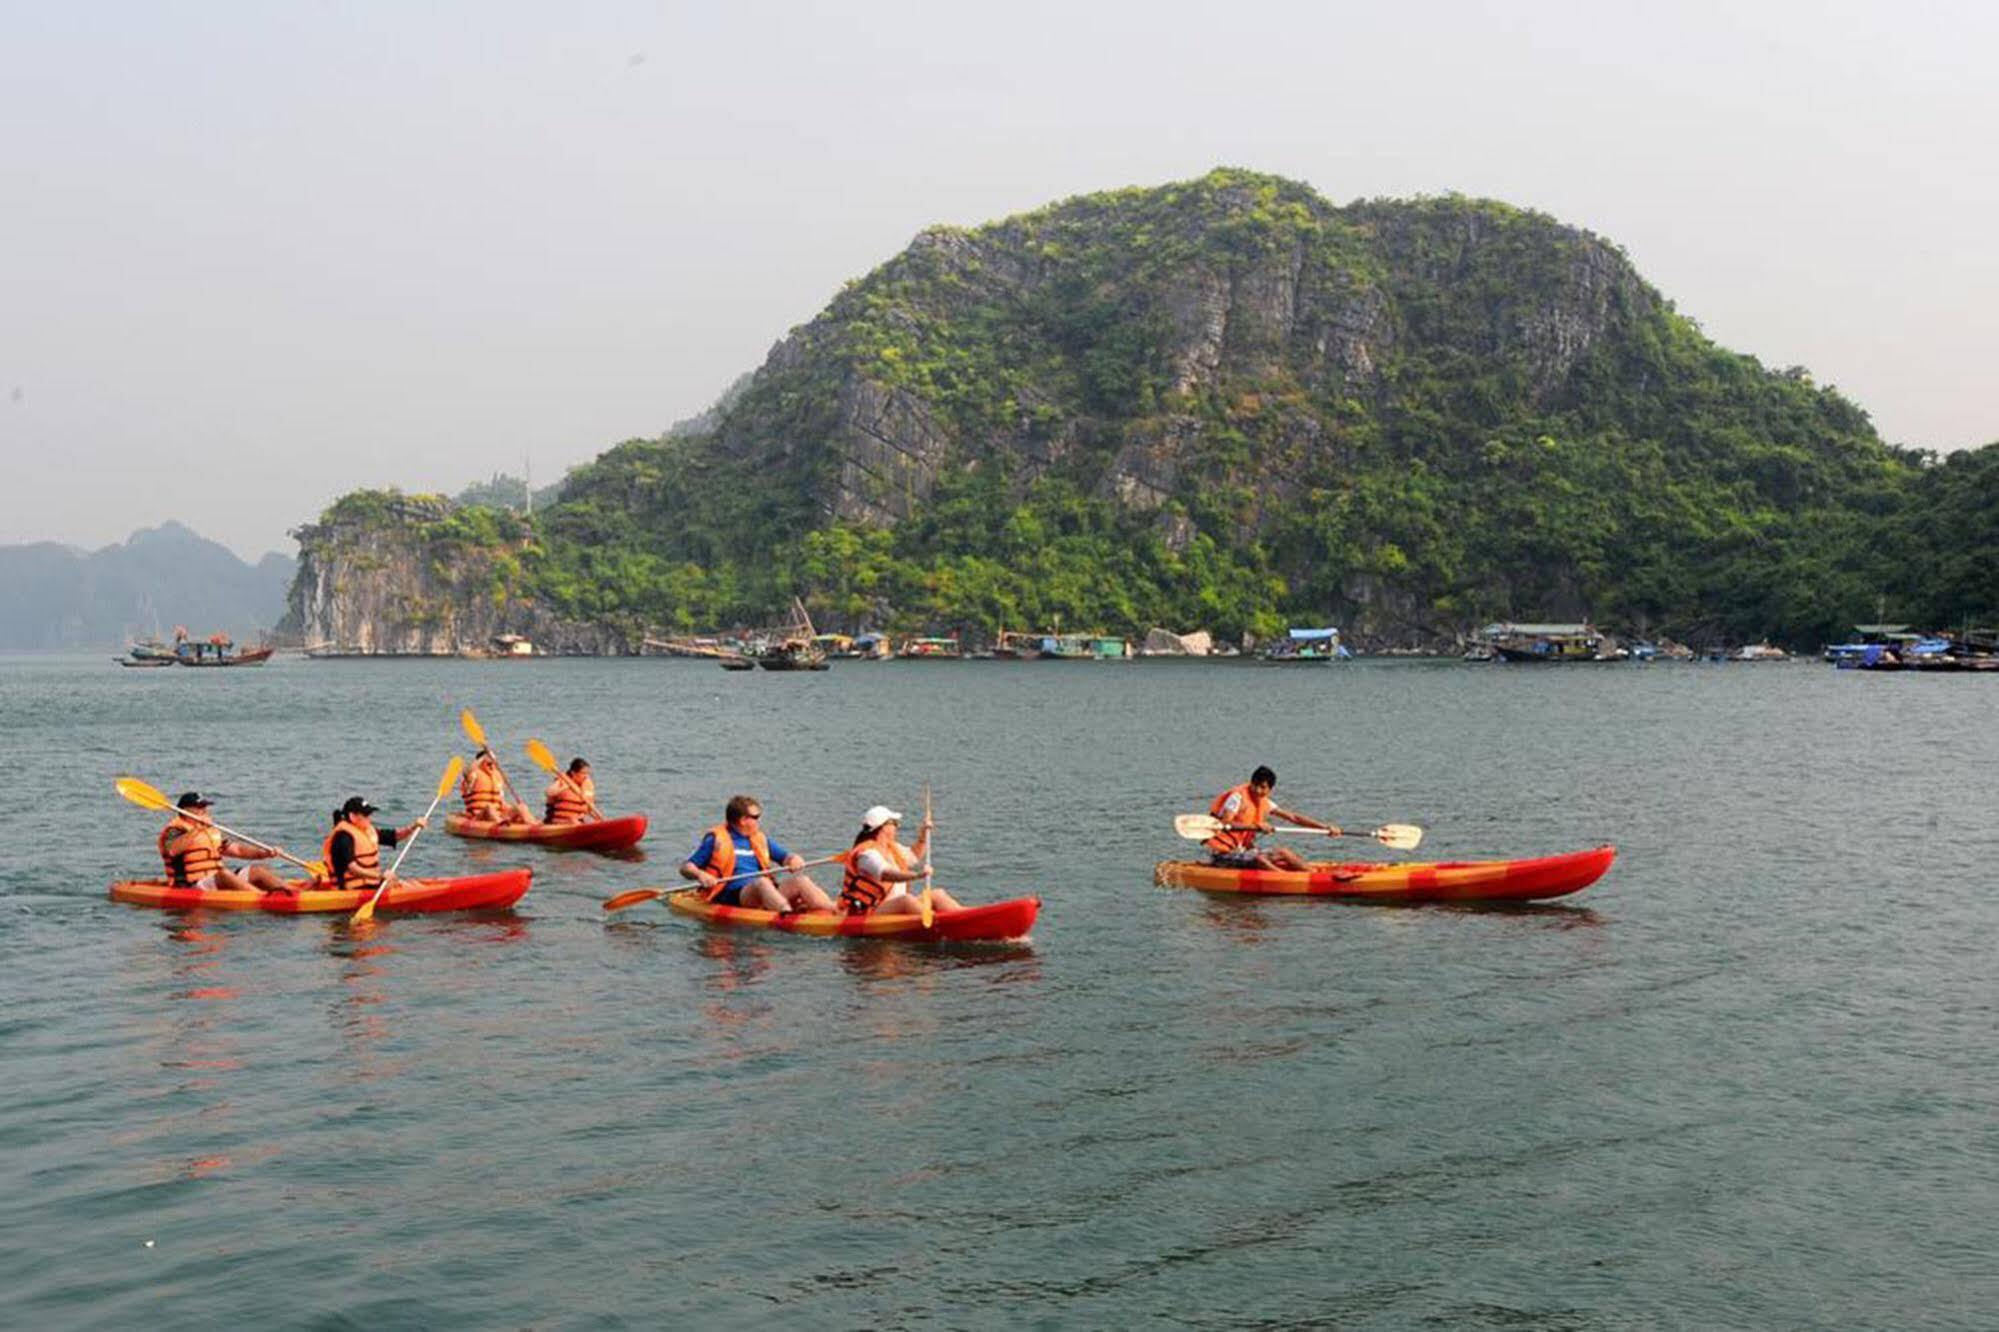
x=1200, y=827
x=923, y=907
x=477, y=735
x=634, y=896
x=149, y=797
x=444, y=784
x=539, y=752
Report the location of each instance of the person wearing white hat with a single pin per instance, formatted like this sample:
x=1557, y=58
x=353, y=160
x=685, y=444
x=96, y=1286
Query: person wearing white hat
x=880, y=869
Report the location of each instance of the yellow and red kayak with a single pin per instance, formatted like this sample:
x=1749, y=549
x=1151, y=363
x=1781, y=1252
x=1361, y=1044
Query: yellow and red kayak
x=596, y=835
x=476, y=892
x=1436, y=881
x=992, y=922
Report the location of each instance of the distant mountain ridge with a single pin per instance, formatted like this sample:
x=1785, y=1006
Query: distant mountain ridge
x=56, y=598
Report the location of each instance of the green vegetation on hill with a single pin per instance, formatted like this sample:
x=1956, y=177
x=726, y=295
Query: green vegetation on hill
x=1229, y=404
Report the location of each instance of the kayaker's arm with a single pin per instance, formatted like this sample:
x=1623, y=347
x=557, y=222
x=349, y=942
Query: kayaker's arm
x=690, y=870
x=245, y=851
x=1304, y=821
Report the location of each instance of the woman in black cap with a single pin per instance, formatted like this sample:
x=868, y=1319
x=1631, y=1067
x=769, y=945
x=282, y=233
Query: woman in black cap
x=353, y=851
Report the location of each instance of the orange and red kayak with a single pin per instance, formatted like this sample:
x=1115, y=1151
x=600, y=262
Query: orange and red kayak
x=992, y=922
x=1437, y=881
x=473, y=893
x=596, y=835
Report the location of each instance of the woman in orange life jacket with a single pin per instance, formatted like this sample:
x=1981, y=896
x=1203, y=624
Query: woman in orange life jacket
x=484, y=792
x=353, y=850
x=571, y=795
x=192, y=849
x=1249, y=809
x=880, y=869
x=739, y=841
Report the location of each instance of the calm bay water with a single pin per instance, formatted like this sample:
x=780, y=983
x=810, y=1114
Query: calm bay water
x=1744, y=1081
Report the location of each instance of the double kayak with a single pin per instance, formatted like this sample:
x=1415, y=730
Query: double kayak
x=993, y=922
x=477, y=892
x=597, y=835
x=1436, y=881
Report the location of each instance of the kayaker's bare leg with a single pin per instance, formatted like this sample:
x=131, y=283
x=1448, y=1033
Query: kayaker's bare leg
x=906, y=904
x=762, y=895
x=801, y=894
x=265, y=881
x=1283, y=858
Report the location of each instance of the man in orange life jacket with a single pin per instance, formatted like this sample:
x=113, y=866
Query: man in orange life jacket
x=192, y=849
x=571, y=796
x=880, y=869
x=484, y=792
x=738, y=846
x=1248, y=809
x=353, y=850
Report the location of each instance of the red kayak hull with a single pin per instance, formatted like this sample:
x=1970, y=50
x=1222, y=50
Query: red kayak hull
x=597, y=835
x=1532, y=880
x=477, y=892
x=993, y=922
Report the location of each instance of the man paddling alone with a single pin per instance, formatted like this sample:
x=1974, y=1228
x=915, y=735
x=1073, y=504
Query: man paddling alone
x=353, y=849
x=192, y=849
x=1247, y=810
x=738, y=845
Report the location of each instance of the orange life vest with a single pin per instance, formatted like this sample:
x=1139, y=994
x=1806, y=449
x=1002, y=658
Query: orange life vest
x=722, y=864
x=565, y=804
x=1251, y=810
x=191, y=852
x=860, y=894
x=480, y=791
x=365, y=869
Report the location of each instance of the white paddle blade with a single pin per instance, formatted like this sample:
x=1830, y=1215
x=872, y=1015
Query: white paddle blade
x=1400, y=836
x=1196, y=827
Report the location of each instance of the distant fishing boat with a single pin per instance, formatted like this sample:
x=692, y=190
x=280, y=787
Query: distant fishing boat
x=1305, y=646
x=931, y=649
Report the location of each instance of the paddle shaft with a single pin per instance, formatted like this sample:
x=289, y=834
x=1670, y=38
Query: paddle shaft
x=759, y=873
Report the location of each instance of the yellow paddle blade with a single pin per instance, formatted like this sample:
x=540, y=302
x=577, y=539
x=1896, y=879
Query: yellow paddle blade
x=365, y=912
x=319, y=870
x=632, y=897
x=473, y=730
x=1400, y=836
x=542, y=756
x=451, y=771
x=142, y=795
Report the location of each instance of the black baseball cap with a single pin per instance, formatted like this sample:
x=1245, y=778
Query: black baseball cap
x=192, y=800
x=356, y=805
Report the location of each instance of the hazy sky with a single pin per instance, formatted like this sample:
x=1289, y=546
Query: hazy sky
x=253, y=255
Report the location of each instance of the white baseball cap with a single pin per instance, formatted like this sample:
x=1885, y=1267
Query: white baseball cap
x=877, y=815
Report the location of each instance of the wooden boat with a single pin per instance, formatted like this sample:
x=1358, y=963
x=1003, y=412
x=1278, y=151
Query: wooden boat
x=931, y=649
x=595, y=835
x=1371, y=881
x=794, y=655
x=738, y=664
x=476, y=892
x=144, y=661
x=993, y=922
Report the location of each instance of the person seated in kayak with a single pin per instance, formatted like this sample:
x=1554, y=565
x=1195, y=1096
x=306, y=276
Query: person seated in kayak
x=739, y=840
x=880, y=869
x=192, y=849
x=483, y=790
x=1247, y=811
x=571, y=796
x=353, y=850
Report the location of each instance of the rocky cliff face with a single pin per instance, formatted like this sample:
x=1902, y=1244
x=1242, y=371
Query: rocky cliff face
x=1246, y=301
x=380, y=583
